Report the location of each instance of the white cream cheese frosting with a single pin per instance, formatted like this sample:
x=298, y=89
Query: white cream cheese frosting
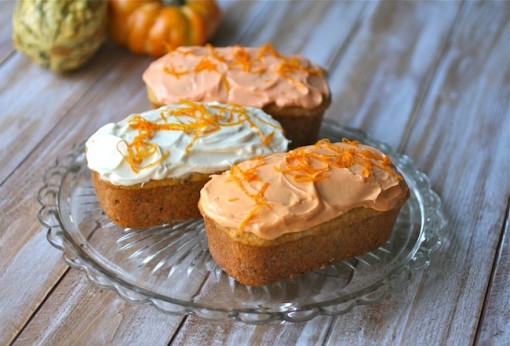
x=176, y=141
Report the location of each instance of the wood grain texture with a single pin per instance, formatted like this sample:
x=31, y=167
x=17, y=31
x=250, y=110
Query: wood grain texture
x=459, y=139
x=432, y=78
x=448, y=137
x=75, y=315
x=494, y=326
x=379, y=80
x=216, y=333
x=6, y=48
x=119, y=93
x=238, y=17
x=24, y=236
x=36, y=99
x=24, y=278
x=380, y=111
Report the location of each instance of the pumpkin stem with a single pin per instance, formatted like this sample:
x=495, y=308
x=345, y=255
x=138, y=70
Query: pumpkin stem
x=174, y=2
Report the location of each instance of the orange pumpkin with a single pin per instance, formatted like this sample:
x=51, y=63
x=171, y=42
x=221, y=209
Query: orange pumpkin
x=157, y=26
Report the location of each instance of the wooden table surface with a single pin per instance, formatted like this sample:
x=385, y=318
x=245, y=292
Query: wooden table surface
x=431, y=79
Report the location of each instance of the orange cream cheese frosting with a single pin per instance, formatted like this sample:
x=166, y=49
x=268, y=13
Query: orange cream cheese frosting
x=253, y=77
x=176, y=141
x=291, y=192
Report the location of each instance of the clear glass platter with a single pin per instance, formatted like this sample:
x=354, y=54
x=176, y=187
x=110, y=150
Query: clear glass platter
x=169, y=266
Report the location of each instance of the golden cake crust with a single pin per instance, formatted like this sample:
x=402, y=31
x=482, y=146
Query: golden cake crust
x=254, y=261
x=150, y=204
x=301, y=125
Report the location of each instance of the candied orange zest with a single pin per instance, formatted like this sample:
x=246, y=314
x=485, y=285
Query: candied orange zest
x=137, y=152
x=199, y=121
x=292, y=65
x=263, y=121
x=243, y=114
x=248, y=64
x=305, y=166
x=162, y=116
x=215, y=54
x=267, y=49
x=205, y=64
x=171, y=70
x=244, y=177
x=287, y=68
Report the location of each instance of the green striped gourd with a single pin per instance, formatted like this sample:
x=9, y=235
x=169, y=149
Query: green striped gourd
x=59, y=34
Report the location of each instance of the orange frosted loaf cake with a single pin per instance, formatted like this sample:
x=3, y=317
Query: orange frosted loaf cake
x=148, y=169
x=280, y=216
x=292, y=89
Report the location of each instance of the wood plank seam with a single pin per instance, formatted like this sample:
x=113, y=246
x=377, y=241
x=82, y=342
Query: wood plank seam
x=329, y=330
x=423, y=96
x=181, y=324
x=488, y=288
x=43, y=139
x=34, y=313
x=261, y=14
x=7, y=57
x=50, y=131
x=336, y=59
x=186, y=317
x=418, y=108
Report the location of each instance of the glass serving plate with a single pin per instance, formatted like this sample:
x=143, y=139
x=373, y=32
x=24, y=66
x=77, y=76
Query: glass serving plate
x=169, y=266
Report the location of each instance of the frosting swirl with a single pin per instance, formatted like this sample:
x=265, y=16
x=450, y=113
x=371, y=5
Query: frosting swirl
x=291, y=192
x=176, y=141
x=254, y=77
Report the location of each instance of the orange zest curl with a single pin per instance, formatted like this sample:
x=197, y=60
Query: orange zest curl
x=214, y=54
x=288, y=67
x=199, y=121
x=245, y=177
x=171, y=70
x=292, y=65
x=304, y=166
x=267, y=49
x=248, y=64
x=140, y=149
x=205, y=64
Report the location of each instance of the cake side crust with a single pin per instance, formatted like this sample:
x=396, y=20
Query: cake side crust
x=150, y=204
x=259, y=263
x=301, y=125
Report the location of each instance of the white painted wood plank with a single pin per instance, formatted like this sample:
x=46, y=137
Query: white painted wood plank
x=33, y=100
x=459, y=139
x=24, y=236
x=443, y=305
x=6, y=9
x=217, y=333
x=120, y=92
x=495, y=321
x=372, y=43
x=379, y=80
x=74, y=315
x=23, y=275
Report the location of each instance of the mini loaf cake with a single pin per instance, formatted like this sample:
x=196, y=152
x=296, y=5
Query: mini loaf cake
x=148, y=169
x=283, y=215
x=291, y=89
